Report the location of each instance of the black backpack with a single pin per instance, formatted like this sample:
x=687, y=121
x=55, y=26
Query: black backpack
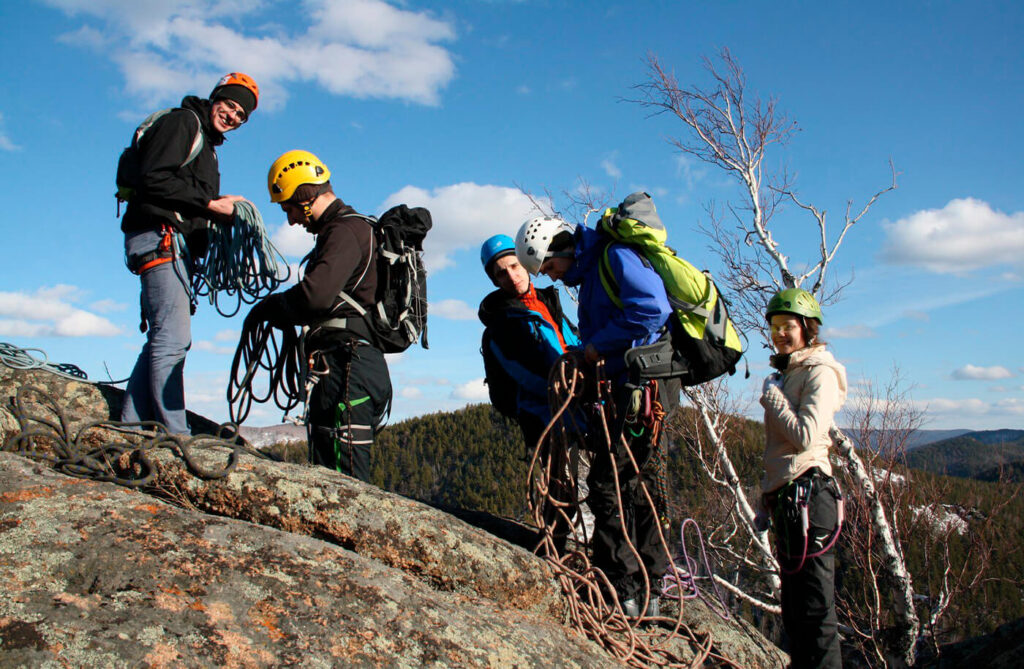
x=502, y=388
x=399, y=317
x=128, y=164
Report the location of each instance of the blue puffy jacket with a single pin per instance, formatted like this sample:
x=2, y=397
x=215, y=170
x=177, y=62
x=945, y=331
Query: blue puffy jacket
x=519, y=348
x=646, y=309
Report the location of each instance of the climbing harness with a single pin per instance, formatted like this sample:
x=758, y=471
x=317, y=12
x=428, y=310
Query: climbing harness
x=791, y=506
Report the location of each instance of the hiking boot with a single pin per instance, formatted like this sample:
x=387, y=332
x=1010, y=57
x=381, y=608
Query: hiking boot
x=631, y=607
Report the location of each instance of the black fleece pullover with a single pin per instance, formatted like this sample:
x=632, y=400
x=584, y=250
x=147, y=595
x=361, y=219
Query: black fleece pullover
x=168, y=192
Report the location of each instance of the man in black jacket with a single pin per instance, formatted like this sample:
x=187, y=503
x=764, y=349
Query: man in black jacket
x=176, y=193
x=349, y=402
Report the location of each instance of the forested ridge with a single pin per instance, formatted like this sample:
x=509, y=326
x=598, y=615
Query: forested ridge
x=975, y=454
x=475, y=459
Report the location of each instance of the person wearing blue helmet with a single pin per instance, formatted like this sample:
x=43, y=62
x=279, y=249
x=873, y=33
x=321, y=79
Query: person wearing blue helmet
x=525, y=331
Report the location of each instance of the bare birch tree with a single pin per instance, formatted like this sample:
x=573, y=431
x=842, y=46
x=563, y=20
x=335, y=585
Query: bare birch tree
x=727, y=127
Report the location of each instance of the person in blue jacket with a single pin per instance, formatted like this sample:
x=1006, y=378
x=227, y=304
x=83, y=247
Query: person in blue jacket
x=525, y=332
x=607, y=332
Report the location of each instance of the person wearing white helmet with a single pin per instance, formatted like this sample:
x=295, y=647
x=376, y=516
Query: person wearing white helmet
x=550, y=246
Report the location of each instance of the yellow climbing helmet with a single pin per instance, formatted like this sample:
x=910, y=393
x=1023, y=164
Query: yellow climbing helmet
x=293, y=169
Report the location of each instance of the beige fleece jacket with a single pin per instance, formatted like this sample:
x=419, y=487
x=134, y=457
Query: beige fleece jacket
x=797, y=418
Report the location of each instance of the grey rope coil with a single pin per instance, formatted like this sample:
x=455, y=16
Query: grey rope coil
x=45, y=435
x=16, y=357
x=241, y=262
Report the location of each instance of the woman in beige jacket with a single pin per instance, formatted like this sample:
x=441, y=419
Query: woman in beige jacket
x=800, y=402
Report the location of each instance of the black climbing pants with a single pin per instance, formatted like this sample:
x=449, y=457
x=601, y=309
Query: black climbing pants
x=347, y=407
x=637, y=520
x=808, y=596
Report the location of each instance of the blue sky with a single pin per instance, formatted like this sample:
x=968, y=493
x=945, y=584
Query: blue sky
x=456, y=105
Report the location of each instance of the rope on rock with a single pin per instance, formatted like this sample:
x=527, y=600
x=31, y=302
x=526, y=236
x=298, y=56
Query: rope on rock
x=45, y=435
x=16, y=357
x=241, y=262
x=594, y=607
x=259, y=349
x=681, y=582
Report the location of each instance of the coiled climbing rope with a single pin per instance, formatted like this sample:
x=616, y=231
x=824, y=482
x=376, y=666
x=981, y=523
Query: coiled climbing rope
x=241, y=262
x=681, y=582
x=45, y=435
x=278, y=352
x=16, y=357
x=594, y=608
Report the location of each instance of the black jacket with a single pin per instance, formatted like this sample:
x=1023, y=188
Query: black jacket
x=343, y=259
x=519, y=346
x=168, y=192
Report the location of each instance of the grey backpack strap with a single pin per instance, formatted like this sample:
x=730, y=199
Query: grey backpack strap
x=197, y=142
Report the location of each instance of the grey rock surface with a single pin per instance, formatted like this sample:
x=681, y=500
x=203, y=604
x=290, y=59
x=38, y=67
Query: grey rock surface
x=274, y=564
x=97, y=575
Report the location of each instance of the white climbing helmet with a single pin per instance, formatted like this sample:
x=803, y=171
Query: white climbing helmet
x=534, y=238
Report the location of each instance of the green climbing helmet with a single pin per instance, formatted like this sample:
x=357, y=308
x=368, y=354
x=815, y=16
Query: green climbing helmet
x=794, y=301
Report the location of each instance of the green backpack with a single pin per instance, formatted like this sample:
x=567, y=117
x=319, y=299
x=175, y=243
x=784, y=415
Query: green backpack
x=704, y=343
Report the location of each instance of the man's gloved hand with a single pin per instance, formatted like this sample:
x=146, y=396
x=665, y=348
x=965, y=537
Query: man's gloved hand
x=268, y=310
x=772, y=380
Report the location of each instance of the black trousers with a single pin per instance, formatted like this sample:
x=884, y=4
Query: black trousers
x=808, y=596
x=638, y=520
x=347, y=407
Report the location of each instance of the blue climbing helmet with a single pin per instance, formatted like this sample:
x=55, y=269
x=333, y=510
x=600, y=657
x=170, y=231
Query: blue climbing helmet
x=494, y=248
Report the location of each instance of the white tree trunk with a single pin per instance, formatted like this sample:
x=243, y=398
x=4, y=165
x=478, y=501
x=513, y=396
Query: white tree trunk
x=894, y=567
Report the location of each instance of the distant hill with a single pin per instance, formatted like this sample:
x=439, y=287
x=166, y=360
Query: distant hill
x=971, y=455
x=915, y=439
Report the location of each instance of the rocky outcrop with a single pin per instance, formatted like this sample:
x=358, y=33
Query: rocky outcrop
x=97, y=575
x=272, y=564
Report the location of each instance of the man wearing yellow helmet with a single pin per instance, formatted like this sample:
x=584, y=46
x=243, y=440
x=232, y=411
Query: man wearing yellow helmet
x=348, y=404
x=174, y=193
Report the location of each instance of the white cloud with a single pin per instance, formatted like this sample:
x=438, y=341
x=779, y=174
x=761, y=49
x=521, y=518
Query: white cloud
x=49, y=312
x=5, y=142
x=212, y=347
x=292, y=240
x=690, y=170
x=107, y=306
x=610, y=168
x=429, y=381
x=473, y=391
x=851, y=332
x=915, y=315
x=1000, y=413
x=523, y=89
x=227, y=335
x=965, y=235
x=357, y=48
x=464, y=215
x=410, y=393
x=973, y=373
x=456, y=310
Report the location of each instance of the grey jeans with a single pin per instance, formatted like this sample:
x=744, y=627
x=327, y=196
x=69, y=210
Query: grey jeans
x=156, y=388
